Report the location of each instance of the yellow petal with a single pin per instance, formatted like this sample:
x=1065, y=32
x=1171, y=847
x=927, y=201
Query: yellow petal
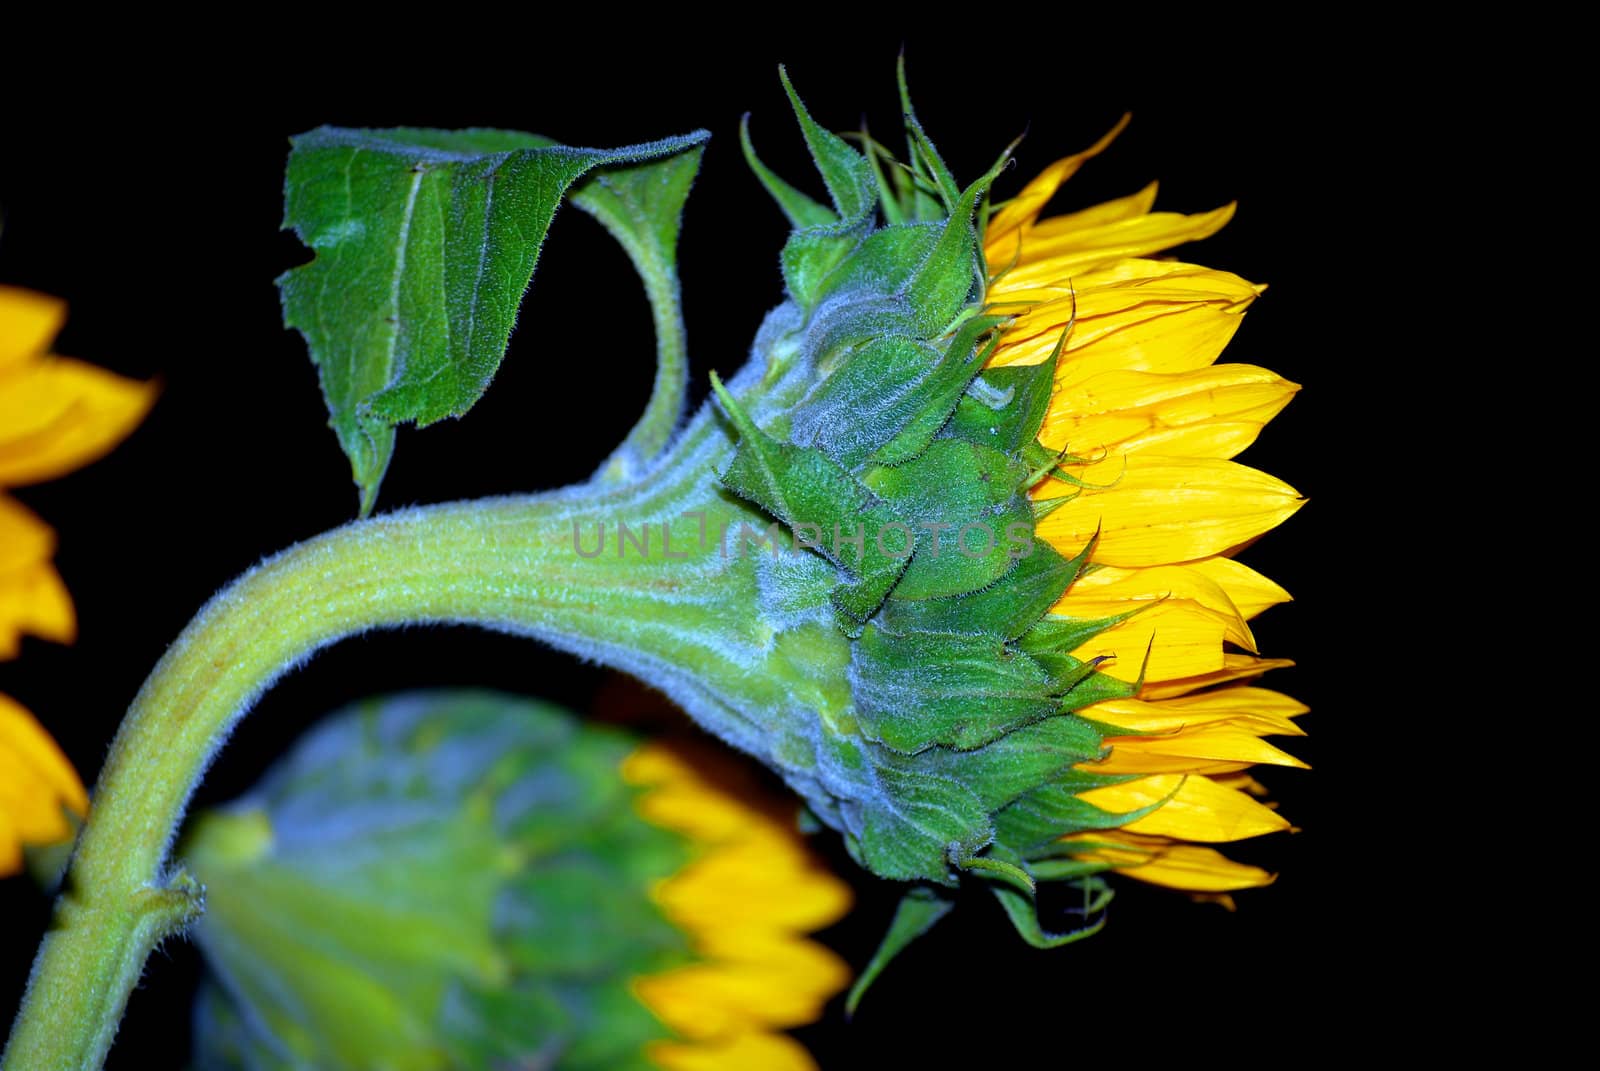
x=1049, y=255
x=58, y=414
x=1248, y=590
x=741, y=1052
x=1122, y=319
x=1207, y=412
x=1177, y=866
x=10, y=847
x=29, y=322
x=24, y=538
x=1206, y=750
x=1200, y=809
x=766, y=881
x=745, y=899
x=1184, y=619
x=36, y=780
x=1172, y=639
x=1025, y=207
x=1241, y=706
x=1234, y=667
x=1154, y=510
x=719, y=998
x=33, y=599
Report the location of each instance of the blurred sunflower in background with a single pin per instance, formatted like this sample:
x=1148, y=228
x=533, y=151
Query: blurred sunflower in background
x=56, y=415
x=465, y=879
x=1149, y=423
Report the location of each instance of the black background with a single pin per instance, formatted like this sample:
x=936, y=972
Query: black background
x=153, y=206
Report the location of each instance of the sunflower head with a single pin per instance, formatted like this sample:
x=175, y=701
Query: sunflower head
x=988, y=435
x=465, y=880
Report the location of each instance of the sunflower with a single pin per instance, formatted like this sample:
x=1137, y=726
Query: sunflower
x=1149, y=424
x=56, y=414
x=530, y=891
x=752, y=890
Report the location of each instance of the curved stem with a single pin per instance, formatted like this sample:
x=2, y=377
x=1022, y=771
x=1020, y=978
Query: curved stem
x=653, y=255
x=508, y=564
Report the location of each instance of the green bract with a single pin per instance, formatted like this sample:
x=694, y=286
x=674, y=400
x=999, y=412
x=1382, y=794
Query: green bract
x=434, y=881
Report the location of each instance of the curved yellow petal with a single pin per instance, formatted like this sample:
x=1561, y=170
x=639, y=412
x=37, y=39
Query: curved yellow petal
x=10, y=847
x=1025, y=207
x=1177, y=866
x=1051, y=256
x=1241, y=706
x=1155, y=510
x=33, y=599
x=1249, y=591
x=29, y=322
x=1171, y=639
x=1234, y=667
x=22, y=736
x=36, y=783
x=745, y=901
x=769, y=1052
x=58, y=414
x=1207, y=412
x=1168, y=318
x=1199, y=808
x=1207, y=750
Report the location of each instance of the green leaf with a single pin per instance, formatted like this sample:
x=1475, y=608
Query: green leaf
x=917, y=913
x=425, y=242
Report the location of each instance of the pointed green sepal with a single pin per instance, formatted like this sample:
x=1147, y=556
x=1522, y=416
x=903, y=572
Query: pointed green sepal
x=1024, y=915
x=801, y=211
x=807, y=490
x=846, y=172
x=1007, y=608
x=917, y=691
x=918, y=912
x=926, y=163
x=1012, y=425
x=947, y=279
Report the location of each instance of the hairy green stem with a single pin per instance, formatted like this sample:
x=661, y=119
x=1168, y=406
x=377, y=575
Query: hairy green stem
x=663, y=413
x=508, y=564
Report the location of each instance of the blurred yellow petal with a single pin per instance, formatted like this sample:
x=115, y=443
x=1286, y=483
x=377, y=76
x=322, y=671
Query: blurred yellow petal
x=36, y=784
x=1155, y=510
x=1199, y=808
x=10, y=847
x=742, y=1052
x=57, y=415
x=29, y=322
x=1177, y=866
x=32, y=598
x=745, y=902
